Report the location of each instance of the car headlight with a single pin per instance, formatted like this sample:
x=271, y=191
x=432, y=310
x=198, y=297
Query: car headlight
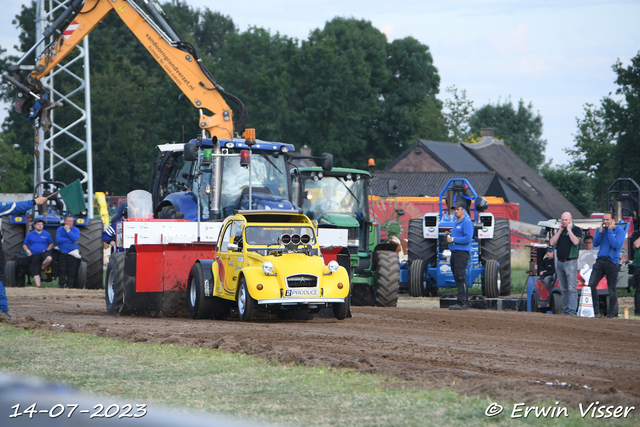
x=333, y=266
x=267, y=267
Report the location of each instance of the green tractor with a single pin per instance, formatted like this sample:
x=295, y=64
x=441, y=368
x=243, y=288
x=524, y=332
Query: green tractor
x=339, y=201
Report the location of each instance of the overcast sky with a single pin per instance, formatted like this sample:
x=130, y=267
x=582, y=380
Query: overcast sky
x=556, y=54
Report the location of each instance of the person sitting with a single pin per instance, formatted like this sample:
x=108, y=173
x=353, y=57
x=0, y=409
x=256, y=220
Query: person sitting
x=67, y=238
x=38, y=245
x=326, y=203
x=547, y=269
x=588, y=243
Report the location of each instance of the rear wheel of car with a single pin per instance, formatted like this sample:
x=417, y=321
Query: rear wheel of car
x=246, y=304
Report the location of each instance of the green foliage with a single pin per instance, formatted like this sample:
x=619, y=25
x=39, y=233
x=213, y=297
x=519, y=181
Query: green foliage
x=594, y=143
x=574, y=184
x=459, y=111
x=623, y=117
x=520, y=129
x=14, y=177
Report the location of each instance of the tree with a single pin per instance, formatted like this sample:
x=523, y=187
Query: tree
x=623, y=119
x=13, y=175
x=520, y=129
x=592, y=152
x=574, y=184
x=457, y=114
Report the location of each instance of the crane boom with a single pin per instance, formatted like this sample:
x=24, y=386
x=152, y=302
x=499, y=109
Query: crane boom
x=176, y=57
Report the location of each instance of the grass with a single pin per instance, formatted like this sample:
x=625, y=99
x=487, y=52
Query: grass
x=253, y=388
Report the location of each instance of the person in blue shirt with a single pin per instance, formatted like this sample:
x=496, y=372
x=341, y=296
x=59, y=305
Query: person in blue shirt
x=109, y=234
x=460, y=246
x=38, y=245
x=6, y=209
x=69, y=258
x=610, y=239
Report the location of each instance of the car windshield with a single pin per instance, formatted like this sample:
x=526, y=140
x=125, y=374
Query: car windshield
x=333, y=195
x=269, y=174
x=267, y=236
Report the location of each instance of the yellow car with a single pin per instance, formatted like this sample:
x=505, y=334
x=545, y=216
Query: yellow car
x=271, y=261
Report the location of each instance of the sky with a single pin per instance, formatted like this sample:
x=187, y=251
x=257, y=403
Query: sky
x=555, y=54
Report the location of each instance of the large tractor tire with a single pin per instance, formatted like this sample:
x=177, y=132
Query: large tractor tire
x=388, y=278
x=499, y=249
x=92, y=251
x=114, y=289
x=12, y=239
x=491, y=279
x=11, y=276
x=361, y=295
x=419, y=247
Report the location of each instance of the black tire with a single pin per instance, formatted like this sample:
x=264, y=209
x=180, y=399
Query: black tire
x=200, y=306
x=167, y=212
x=535, y=301
x=92, y=251
x=12, y=239
x=129, y=297
x=340, y=310
x=499, y=249
x=11, y=275
x=81, y=275
x=388, y=278
x=418, y=247
x=491, y=279
x=361, y=294
x=246, y=304
x=114, y=289
x=416, y=277
x=556, y=303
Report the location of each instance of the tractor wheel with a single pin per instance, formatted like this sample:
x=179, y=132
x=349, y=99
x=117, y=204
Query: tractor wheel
x=491, y=279
x=416, y=277
x=499, y=249
x=419, y=247
x=167, y=212
x=12, y=239
x=361, y=294
x=556, y=303
x=81, y=275
x=114, y=289
x=11, y=275
x=388, y=278
x=92, y=251
x=246, y=304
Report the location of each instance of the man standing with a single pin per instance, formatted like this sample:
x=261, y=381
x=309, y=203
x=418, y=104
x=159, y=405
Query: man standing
x=635, y=243
x=460, y=245
x=567, y=242
x=6, y=209
x=67, y=239
x=38, y=244
x=610, y=239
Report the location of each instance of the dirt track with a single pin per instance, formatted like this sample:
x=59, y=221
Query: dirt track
x=476, y=352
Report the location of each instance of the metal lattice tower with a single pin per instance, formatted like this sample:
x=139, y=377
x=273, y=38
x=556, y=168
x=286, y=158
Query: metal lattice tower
x=49, y=159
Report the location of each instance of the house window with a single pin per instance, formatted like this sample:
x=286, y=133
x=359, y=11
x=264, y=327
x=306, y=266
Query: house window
x=528, y=184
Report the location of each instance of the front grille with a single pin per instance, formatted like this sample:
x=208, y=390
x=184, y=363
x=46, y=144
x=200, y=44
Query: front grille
x=302, y=281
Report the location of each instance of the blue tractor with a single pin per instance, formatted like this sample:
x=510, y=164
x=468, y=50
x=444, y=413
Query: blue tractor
x=210, y=176
x=15, y=229
x=490, y=258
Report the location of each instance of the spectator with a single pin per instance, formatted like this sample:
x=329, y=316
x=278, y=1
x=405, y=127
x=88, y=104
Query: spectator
x=6, y=209
x=547, y=269
x=635, y=243
x=109, y=234
x=567, y=242
x=69, y=259
x=38, y=244
x=610, y=239
x=588, y=242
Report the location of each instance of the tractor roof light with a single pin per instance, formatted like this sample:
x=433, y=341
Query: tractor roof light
x=349, y=177
x=250, y=137
x=284, y=149
x=230, y=144
x=358, y=177
x=320, y=175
